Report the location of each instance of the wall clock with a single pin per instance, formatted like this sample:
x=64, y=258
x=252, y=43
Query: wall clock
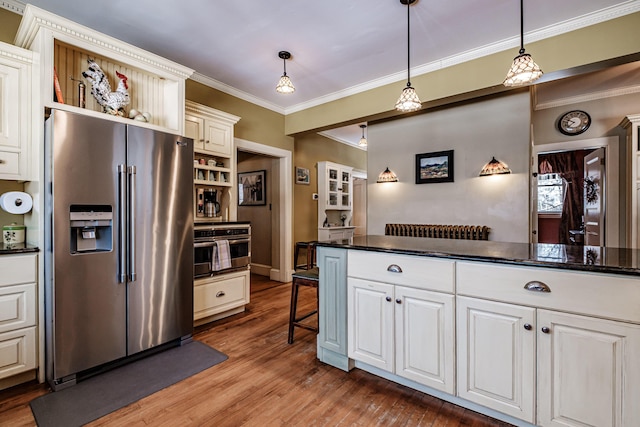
x=574, y=122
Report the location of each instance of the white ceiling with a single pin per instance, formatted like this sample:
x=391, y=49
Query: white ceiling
x=338, y=47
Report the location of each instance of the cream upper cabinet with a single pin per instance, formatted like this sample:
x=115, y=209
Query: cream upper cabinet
x=211, y=130
x=15, y=112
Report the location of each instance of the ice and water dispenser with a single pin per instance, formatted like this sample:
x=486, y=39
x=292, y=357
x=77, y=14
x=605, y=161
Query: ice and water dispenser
x=91, y=228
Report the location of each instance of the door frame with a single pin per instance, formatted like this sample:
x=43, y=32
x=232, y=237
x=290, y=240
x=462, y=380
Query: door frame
x=611, y=144
x=285, y=205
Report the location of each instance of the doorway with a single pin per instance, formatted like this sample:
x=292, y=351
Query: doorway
x=280, y=160
x=564, y=224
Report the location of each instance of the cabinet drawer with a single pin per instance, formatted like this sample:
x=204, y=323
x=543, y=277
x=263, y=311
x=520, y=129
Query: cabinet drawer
x=17, y=351
x=9, y=163
x=603, y=295
x=417, y=272
x=216, y=296
x=17, y=269
x=17, y=307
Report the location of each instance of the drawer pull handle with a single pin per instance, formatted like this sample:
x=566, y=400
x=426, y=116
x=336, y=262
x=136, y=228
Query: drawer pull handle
x=394, y=268
x=536, y=286
x=220, y=294
x=388, y=299
x=546, y=330
x=527, y=326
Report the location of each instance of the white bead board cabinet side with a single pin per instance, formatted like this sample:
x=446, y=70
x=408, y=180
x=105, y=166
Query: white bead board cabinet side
x=18, y=313
x=562, y=358
x=16, y=66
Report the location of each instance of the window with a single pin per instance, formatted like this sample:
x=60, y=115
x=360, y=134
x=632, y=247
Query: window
x=551, y=193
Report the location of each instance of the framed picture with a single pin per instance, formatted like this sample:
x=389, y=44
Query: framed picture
x=434, y=167
x=302, y=176
x=252, y=188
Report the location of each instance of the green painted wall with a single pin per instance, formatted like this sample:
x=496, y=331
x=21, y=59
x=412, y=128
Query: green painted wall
x=309, y=150
x=9, y=23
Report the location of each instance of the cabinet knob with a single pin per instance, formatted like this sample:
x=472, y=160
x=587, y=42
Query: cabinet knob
x=220, y=294
x=536, y=286
x=388, y=299
x=546, y=329
x=398, y=301
x=527, y=326
x=2, y=162
x=394, y=268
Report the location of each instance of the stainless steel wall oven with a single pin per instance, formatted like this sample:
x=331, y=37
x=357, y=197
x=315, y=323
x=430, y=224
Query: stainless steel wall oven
x=206, y=238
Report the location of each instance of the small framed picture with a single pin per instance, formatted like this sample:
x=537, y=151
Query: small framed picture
x=302, y=176
x=434, y=167
x=252, y=188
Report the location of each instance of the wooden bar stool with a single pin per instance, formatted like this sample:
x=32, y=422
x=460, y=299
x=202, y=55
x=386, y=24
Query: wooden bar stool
x=302, y=278
x=310, y=248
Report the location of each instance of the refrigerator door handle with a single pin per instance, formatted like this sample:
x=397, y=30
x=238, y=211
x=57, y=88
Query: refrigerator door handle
x=122, y=229
x=132, y=223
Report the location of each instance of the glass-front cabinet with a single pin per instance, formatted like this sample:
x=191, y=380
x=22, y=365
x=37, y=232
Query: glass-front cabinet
x=335, y=189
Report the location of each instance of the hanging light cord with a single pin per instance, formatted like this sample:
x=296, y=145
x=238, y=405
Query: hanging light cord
x=521, y=28
x=409, y=44
x=284, y=60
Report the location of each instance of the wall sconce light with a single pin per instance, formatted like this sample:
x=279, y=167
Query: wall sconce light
x=495, y=167
x=408, y=100
x=285, y=85
x=523, y=70
x=387, y=176
x=363, y=140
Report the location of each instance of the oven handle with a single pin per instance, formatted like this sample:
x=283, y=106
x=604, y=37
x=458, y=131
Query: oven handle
x=210, y=244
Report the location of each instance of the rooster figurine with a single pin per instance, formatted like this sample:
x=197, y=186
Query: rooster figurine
x=112, y=102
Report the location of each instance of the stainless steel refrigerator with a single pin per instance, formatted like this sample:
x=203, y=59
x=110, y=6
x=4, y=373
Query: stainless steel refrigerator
x=119, y=243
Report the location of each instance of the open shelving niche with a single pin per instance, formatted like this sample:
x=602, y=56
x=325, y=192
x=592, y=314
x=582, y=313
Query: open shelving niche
x=156, y=85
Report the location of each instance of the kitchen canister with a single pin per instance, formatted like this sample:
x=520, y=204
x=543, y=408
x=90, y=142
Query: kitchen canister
x=13, y=233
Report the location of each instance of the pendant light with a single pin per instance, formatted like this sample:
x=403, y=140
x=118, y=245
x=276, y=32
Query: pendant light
x=387, y=176
x=285, y=85
x=523, y=70
x=495, y=167
x=363, y=140
x=408, y=100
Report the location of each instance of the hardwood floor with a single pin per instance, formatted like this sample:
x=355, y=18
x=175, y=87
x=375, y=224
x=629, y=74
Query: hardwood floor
x=267, y=382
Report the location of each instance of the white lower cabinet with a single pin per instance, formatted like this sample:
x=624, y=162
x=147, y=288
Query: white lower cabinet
x=220, y=296
x=588, y=371
x=496, y=356
x=402, y=330
x=547, y=367
x=18, y=318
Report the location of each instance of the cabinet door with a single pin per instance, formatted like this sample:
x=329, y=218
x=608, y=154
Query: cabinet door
x=12, y=153
x=588, y=371
x=194, y=129
x=496, y=356
x=345, y=188
x=370, y=325
x=425, y=337
x=218, y=138
x=333, y=187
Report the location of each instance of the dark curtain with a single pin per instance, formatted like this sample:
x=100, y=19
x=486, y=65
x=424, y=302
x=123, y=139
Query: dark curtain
x=570, y=165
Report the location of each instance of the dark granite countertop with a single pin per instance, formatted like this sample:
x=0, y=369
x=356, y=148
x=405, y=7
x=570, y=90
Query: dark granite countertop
x=583, y=258
x=17, y=248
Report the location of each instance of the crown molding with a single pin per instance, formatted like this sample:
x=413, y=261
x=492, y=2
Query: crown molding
x=342, y=141
x=13, y=6
x=230, y=90
x=591, y=96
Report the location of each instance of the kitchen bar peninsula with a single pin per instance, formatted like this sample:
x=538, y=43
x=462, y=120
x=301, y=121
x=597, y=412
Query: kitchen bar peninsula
x=532, y=334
